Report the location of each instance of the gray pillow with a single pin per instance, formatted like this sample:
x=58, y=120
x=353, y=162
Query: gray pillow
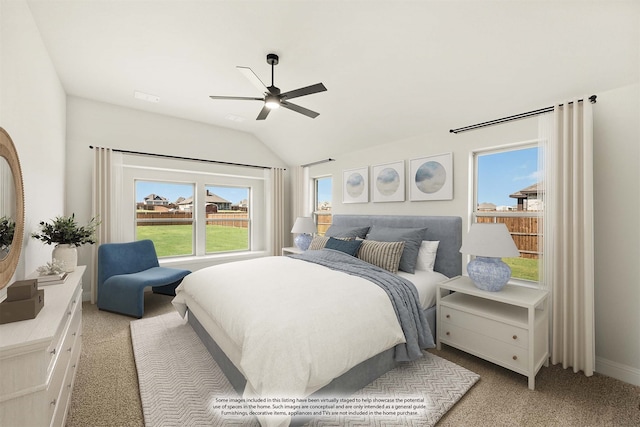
x=342, y=231
x=412, y=238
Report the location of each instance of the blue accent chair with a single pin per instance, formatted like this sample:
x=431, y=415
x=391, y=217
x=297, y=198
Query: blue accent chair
x=125, y=269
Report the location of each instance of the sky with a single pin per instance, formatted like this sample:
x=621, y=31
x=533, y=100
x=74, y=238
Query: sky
x=173, y=191
x=324, y=190
x=504, y=173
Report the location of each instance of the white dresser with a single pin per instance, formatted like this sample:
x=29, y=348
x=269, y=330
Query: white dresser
x=508, y=328
x=39, y=358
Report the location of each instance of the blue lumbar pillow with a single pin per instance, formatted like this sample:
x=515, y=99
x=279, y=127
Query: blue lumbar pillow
x=347, y=246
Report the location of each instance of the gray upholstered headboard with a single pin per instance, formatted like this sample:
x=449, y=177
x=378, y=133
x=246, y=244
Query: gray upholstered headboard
x=446, y=229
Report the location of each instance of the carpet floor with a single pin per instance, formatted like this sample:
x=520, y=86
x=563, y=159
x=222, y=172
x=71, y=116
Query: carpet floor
x=180, y=384
x=106, y=391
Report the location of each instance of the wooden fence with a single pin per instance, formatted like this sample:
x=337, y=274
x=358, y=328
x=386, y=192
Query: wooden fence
x=524, y=230
x=227, y=219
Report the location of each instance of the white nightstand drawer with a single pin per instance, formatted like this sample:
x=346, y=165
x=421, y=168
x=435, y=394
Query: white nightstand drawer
x=506, y=333
x=507, y=355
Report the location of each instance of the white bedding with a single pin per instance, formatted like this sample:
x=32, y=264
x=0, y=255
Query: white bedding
x=295, y=325
x=426, y=283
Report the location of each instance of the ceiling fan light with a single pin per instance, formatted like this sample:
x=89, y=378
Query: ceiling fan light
x=271, y=102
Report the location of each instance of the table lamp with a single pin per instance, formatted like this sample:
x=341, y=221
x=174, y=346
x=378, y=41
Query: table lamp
x=489, y=243
x=304, y=227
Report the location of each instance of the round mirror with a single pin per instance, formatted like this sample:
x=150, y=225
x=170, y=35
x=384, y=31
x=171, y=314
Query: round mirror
x=11, y=208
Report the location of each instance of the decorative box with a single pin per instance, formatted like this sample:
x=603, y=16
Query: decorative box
x=22, y=289
x=13, y=311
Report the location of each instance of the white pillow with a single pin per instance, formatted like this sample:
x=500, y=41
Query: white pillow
x=427, y=255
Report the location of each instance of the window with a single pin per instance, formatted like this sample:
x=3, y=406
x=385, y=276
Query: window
x=193, y=209
x=322, y=203
x=228, y=219
x=164, y=214
x=508, y=189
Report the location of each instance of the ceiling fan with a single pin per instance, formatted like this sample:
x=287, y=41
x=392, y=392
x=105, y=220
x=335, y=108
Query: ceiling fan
x=272, y=96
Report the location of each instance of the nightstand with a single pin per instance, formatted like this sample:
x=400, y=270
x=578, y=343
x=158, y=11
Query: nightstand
x=291, y=250
x=509, y=328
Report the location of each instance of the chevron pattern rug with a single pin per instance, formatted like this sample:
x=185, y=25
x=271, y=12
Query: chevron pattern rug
x=180, y=385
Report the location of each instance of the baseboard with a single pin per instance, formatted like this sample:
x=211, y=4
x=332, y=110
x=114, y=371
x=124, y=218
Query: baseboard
x=618, y=371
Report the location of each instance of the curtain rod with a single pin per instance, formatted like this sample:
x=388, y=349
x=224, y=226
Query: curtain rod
x=592, y=99
x=318, y=162
x=168, y=156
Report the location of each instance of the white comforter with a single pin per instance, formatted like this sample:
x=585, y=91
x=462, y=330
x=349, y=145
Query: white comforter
x=298, y=324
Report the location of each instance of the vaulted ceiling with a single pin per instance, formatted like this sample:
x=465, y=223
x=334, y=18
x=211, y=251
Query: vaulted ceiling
x=393, y=69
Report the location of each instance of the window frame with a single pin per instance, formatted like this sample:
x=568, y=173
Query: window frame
x=201, y=175
x=474, y=202
x=314, y=201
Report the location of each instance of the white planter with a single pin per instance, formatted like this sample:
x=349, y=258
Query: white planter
x=68, y=254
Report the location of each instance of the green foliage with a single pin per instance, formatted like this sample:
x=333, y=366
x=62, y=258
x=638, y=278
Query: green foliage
x=65, y=230
x=7, y=229
x=523, y=268
x=176, y=240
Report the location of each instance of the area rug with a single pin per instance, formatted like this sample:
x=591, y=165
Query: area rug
x=181, y=385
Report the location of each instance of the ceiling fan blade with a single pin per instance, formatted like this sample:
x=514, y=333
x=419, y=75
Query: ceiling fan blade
x=299, y=109
x=241, y=98
x=318, y=87
x=263, y=113
x=251, y=76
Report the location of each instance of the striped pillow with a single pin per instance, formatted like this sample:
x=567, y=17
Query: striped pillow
x=382, y=254
x=318, y=243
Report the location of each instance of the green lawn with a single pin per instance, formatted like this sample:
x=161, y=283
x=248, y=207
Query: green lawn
x=174, y=240
x=523, y=268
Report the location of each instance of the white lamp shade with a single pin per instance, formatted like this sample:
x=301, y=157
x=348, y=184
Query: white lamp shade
x=304, y=225
x=489, y=240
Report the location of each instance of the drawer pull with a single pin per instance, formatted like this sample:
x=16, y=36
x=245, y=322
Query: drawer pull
x=515, y=357
x=448, y=316
x=447, y=333
x=69, y=349
x=53, y=351
x=69, y=313
x=515, y=337
x=74, y=334
x=53, y=402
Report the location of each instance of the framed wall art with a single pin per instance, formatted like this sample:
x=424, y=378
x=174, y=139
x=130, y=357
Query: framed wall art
x=355, y=185
x=388, y=182
x=431, y=178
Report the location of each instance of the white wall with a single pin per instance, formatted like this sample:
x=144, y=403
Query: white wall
x=91, y=123
x=32, y=111
x=617, y=230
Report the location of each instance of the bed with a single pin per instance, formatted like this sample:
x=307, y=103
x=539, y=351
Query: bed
x=349, y=333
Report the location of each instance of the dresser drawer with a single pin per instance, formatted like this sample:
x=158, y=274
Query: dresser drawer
x=507, y=355
x=62, y=358
x=62, y=403
x=72, y=307
x=500, y=331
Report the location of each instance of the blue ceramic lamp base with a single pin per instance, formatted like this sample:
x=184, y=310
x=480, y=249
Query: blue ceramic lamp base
x=489, y=274
x=303, y=241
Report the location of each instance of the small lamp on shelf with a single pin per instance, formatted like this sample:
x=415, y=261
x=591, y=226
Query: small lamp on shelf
x=489, y=243
x=304, y=227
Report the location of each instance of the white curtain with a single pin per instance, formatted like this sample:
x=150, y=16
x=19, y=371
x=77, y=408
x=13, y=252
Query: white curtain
x=277, y=210
x=106, y=203
x=568, y=235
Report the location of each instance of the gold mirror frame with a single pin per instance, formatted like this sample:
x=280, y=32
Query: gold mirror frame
x=9, y=264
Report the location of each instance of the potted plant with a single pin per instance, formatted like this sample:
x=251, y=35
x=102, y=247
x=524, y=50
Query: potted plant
x=67, y=235
x=7, y=229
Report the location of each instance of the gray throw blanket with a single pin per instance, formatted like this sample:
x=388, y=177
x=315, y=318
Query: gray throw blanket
x=402, y=293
